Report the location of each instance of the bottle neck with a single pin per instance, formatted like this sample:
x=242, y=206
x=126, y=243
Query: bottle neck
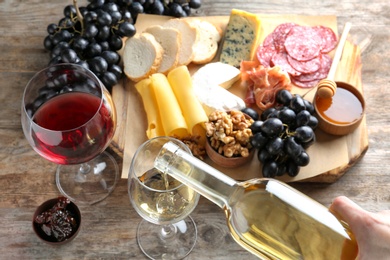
x=201, y=177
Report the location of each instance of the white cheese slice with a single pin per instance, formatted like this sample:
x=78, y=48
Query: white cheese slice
x=217, y=73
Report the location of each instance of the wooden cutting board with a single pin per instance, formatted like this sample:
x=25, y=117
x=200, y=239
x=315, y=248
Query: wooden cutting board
x=330, y=157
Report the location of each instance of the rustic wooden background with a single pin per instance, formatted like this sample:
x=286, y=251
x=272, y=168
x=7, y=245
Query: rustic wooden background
x=108, y=228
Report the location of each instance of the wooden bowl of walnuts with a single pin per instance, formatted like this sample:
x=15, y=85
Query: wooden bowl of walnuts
x=228, y=138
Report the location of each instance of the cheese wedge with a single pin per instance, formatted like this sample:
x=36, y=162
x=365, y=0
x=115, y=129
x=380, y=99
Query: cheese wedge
x=242, y=37
x=217, y=73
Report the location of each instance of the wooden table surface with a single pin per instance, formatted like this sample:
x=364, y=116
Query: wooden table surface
x=109, y=227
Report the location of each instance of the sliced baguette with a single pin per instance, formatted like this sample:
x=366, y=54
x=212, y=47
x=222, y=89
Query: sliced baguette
x=170, y=41
x=206, y=47
x=142, y=56
x=189, y=36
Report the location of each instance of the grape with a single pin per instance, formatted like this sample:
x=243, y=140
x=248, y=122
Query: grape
x=195, y=3
x=313, y=122
x=283, y=134
x=297, y=104
x=116, y=69
x=251, y=112
x=69, y=11
x=292, y=169
x=258, y=140
x=284, y=97
x=256, y=126
x=126, y=29
x=91, y=31
x=302, y=118
x=274, y=146
x=98, y=65
x=292, y=148
x=287, y=115
x=111, y=57
x=104, y=18
x=69, y=56
x=109, y=78
x=272, y=127
x=52, y=28
x=267, y=112
x=302, y=159
x=80, y=44
x=304, y=134
x=270, y=169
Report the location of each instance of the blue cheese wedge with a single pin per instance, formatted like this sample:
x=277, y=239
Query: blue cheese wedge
x=242, y=37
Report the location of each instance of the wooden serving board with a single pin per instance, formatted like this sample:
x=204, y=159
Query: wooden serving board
x=330, y=157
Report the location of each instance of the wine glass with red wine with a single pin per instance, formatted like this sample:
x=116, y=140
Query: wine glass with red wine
x=69, y=118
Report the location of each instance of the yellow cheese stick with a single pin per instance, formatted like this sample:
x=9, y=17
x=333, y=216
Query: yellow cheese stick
x=172, y=118
x=155, y=127
x=181, y=83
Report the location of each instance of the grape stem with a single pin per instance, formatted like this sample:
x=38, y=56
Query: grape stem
x=79, y=15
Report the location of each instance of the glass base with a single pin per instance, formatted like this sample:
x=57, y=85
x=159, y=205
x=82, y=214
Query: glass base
x=90, y=182
x=174, y=241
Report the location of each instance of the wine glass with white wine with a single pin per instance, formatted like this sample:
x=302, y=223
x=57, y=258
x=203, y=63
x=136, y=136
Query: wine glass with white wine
x=166, y=231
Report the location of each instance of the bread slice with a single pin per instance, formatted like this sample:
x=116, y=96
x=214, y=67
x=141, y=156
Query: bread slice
x=170, y=41
x=189, y=36
x=207, y=45
x=142, y=56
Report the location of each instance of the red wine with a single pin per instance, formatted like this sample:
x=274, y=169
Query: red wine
x=72, y=128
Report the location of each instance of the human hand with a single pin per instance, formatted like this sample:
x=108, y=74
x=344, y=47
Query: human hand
x=371, y=230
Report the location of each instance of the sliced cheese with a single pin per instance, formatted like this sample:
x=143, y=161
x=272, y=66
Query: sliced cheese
x=181, y=84
x=217, y=73
x=155, y=127
x=172, y=118
x=242, y=37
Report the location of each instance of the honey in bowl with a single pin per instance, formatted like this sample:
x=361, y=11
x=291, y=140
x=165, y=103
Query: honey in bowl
x=343, y=108
x=341, y=113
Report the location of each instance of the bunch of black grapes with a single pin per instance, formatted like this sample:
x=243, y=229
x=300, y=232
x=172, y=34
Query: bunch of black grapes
x=283, y=133
x=91, y=36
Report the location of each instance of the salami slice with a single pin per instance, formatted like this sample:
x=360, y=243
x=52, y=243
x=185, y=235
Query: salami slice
x=305, y=66
x=265, y=54
x=269, y=40
x=305, y=84
x=329, y=38
x=321, y=73
x=279, y=35
x=280, y=59
x=303, y=43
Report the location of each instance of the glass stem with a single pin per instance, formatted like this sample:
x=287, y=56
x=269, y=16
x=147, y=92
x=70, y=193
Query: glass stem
x=84, y=168
x=167, y=231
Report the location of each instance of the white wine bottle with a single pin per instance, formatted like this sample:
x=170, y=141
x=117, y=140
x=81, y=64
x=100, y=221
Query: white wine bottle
x=265, y=216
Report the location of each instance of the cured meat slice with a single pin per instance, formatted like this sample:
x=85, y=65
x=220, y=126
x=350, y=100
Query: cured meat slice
x=265, y=54
x=269, y=40
x=305, y=66
x=303, y=43
x=329, y=38
x=321, y=73
x=305, y=84
x=280, y=59
x=279, y=35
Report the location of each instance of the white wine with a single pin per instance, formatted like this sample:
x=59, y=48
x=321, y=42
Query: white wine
x=265, y=216
x=162, y=199
x=272, y=220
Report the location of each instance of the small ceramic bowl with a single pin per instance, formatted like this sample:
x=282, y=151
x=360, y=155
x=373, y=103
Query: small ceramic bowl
x=224, y=161
x=333, y=126
x=74, y=212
